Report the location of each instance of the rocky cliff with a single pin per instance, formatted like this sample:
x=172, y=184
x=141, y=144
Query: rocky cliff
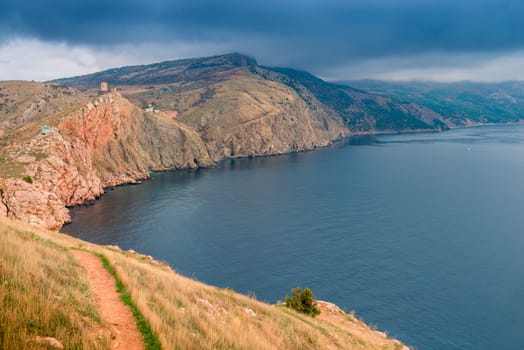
x=110, y=141
x=104, y=143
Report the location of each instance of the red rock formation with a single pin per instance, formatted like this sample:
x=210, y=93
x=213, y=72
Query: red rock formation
x=32, y=203
x=106, y=143
x=111, y=141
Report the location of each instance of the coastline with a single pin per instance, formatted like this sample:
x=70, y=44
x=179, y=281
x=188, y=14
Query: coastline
x=337, y=142
x=204, y=314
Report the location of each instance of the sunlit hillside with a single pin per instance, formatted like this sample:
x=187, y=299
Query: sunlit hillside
x=46, y=293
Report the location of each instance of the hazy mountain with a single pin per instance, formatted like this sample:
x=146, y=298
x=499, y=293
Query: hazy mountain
x=457, y=102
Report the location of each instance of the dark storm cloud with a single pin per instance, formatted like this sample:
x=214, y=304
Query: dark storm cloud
x=306, y=33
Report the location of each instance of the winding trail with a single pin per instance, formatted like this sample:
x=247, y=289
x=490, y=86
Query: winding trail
x=112, y=310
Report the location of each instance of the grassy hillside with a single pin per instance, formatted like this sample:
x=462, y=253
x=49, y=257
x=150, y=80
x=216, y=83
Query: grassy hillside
x=364, y=106
x=22, y=102
x=45, y=293
x=360, y=110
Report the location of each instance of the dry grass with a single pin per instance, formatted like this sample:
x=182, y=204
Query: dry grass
x=242, y=98
x=237, y=98
x=187, y=314
x=43, y=292
x=25, y=101
x=13, y=142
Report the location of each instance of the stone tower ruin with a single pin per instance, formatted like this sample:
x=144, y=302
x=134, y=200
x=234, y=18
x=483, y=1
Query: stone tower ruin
x=104, y=88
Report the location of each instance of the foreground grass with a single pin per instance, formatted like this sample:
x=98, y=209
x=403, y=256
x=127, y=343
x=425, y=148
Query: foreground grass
x=182, y=313
x=43, y=292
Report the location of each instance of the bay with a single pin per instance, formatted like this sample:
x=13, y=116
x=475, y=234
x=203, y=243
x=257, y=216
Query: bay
x=420, y=234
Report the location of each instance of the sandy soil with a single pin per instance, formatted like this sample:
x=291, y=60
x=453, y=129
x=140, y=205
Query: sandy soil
x=112, y=310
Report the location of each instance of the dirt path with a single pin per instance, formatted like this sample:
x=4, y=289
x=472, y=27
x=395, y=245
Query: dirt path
x=112, y=310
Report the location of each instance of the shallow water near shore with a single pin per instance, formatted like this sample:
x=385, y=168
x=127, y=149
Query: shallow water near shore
x=420, y=234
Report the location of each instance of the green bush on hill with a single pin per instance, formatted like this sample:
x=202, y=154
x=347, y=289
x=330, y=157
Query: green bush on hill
x=302, y=301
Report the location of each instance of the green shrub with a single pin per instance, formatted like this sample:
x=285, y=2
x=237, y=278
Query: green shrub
x=302, y=301
x=28, y=179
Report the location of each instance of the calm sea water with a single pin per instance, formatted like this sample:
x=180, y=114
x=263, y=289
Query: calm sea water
x=422, y=235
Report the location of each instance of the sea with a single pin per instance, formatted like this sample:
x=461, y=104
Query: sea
x=422, y=235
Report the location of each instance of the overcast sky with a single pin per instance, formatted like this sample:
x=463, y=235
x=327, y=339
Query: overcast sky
x=445, y=40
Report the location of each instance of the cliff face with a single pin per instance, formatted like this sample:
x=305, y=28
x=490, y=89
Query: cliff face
x=111, y=141
x=105, y=143
x=204, y=84
x=32, y=203
x=125, y=143
x=199, y=111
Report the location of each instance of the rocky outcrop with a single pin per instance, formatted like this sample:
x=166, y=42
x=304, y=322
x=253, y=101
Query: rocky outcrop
x=66, y=169
x=429, y=116
x=274, y=135
x=125, y=143
x=292, y=127
x=32, y=203
x=49, y=341
x=331, y=313
x=105, y=143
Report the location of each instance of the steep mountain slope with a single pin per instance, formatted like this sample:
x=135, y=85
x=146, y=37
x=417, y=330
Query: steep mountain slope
x=212, y=108
x=245, y=115
x=362, y=112
x=187, y=87
x=236, y=111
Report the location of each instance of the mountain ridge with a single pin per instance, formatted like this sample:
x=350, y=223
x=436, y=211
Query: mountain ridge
x=92, y=80
x=360, y=110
